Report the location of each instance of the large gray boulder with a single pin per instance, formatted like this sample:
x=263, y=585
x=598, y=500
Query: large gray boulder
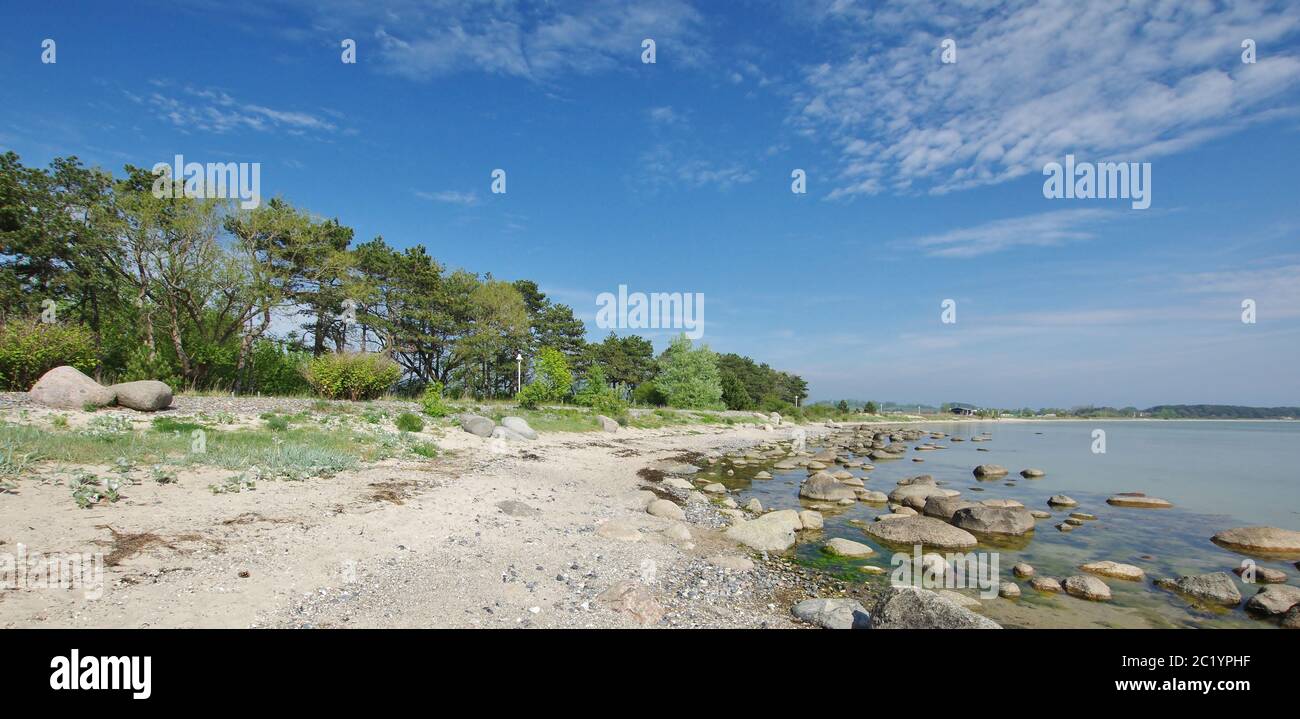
x=519, y=426
x=994, y=520
x=840, y=547
x=607, y=424
x=1214, y=588
x=926, y=531
x=146, y=395
x=826, y=488
x=1274, y=600
x=990, y=470
x=67, y=388
x=941, y=507
x=1086, y=586
x=477, y=425
x=833, y=613
x=919, y=493
x=666, y=509
x=772, y=532
x=914, y=608
x=1259, y=540
x=507, y=434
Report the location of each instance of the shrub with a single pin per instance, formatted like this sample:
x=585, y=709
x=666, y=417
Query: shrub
x=593, y=387
x=648, y=393
x=551, y=379
x=600, y=397
x=30, y=348
x=351, y=375
x=425, y=449
x=408, y=422
x=276, y=423
x=432, y=403
x=612, y=406
x=275, y=369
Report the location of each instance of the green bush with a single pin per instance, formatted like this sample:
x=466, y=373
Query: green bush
x=432, y=403
x=600, y=397
x=612, y=406
x=30, y=348
x=351, y=375
x=647, y=393
x=408, y=422
x=276, y=369
x=551, y=380
x=276, y=423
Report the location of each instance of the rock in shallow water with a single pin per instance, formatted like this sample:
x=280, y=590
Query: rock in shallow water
x=1260, y=575
x=1045, y=584
x=912, y=608
x=1087, y=587
x=847, y=548
x=1115, y=570
x=1214, y=588
x=1274, y=600
x=1259, y=540
x=1012, y=521
x=1138, y=502
x=926, y=531
x=833, y=613
x=824, y=487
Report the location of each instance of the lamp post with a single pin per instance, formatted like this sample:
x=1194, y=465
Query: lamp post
x=519, y=372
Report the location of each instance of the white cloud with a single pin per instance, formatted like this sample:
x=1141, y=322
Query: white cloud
x=211, y=110
x=1047, y=229
x=450, y=197
x=422, y=39
x=1033, y=81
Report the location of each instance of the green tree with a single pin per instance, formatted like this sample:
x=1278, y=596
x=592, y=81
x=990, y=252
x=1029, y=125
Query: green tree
x=552, y=379
x=688, y=377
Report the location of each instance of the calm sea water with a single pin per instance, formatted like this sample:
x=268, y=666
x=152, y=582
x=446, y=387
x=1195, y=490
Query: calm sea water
x=1217, y=474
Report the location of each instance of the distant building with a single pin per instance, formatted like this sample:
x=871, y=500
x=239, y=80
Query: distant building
x=965, y=410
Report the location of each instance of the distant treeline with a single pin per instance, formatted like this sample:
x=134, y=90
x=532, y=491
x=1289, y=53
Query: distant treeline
x=1163, y=411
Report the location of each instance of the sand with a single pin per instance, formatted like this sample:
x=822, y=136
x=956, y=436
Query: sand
x=401, y=543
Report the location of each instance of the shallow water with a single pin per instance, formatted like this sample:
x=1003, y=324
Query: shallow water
x=1217, y=475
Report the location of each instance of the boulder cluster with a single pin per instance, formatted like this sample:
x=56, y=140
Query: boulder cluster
x=68, y=388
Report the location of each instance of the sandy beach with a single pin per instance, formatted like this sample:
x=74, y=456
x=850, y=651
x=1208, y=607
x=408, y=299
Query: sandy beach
x=477, y=537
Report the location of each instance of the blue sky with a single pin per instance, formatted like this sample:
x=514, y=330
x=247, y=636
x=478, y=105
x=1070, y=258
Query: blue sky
x=924, y=178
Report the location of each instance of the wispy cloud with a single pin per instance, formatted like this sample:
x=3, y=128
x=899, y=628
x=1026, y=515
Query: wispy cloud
x=451, y=197
x=538, y=41
x=1033, y=81
x=1047, y=229
x=212, y=110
